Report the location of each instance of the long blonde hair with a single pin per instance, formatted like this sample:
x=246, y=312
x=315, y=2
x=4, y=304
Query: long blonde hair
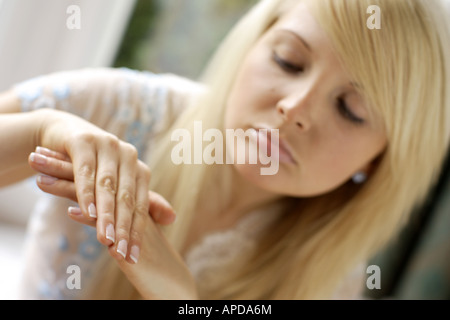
x=404, y=70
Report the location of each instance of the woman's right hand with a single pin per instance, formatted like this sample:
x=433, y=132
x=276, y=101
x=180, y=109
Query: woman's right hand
x=111, y=184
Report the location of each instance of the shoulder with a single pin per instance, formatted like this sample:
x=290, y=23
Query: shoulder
x=118, y=81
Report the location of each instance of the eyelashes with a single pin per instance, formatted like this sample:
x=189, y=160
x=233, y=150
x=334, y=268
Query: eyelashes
x=345, y=111
x=287, y=66
x=295, y=69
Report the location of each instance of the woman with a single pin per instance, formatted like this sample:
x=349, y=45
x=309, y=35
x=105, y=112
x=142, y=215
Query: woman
x=347, y=101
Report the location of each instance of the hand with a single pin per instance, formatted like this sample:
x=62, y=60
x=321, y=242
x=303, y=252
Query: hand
x=111, y=184
x=57, y=178
x=161, y=273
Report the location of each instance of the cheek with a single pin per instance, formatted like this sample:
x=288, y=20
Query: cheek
x=337, y=161
x=252, y=91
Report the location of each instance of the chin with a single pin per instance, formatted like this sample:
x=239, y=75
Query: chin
x=270, y=183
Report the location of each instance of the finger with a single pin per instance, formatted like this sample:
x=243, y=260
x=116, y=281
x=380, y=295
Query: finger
x=60, y=169
x=84, y=158
x=57, y=187
x=52, y=154
x=140, y=214
x=160, y=210
x=77, y=215
x=105, y=191
x=125, y=198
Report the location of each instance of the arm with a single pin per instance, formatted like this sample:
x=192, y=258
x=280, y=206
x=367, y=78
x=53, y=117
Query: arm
x=18, y=138
x=100, y=162
x=110, y=182
x=109, y=177
x=133, y=106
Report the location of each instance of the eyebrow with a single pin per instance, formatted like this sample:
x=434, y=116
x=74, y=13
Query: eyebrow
x=295, y=34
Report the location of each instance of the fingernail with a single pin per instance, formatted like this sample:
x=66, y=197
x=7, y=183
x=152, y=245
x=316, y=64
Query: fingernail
x=110, y=234
x=75, y=211
x=92, y=211
x=44, y=151
x=134, y=254
x=122, y=248
x=38, y=158
x=46, y=180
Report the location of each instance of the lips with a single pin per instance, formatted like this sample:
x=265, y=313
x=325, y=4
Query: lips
x=268, y=142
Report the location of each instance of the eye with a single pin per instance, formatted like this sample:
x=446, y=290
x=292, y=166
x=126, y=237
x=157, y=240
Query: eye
x=345, y=111
x=287, y=66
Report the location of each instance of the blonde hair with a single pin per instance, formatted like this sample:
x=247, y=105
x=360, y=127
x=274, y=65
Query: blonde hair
x=404, y=72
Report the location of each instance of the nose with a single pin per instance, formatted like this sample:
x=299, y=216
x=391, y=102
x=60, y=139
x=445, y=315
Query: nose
x=293, y=109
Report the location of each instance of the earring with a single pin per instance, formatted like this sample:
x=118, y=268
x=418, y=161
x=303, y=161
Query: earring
x=359, y=178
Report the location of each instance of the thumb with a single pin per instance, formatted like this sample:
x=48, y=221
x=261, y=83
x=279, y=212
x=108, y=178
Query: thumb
x=160, y=210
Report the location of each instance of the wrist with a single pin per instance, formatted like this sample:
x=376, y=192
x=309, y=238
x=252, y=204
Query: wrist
x=41, y=119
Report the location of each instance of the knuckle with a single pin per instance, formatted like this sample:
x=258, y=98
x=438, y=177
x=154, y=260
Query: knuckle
x=127, y=198
x=141, y=210
x=122, y=232
x=85, y=137
x=112, y=142
x=130, y=151
x=145, y=171
x=107, y=217
x=108, y=183
x=87, y=191
x=135, y=235
x=86, y=170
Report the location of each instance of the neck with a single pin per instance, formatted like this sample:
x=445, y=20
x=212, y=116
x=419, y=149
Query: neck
x=246, y=196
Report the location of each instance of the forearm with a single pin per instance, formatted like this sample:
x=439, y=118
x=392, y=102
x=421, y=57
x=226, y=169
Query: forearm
x=19, y=134
x=14, y=175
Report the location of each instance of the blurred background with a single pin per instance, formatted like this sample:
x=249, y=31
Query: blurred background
x=174, y=36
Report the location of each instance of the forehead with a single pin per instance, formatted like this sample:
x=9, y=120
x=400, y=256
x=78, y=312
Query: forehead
x=298, y=19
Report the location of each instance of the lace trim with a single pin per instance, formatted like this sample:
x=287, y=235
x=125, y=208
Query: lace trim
x=217, y=252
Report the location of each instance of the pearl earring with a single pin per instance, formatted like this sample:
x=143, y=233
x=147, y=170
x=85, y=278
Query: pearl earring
x=359, y=178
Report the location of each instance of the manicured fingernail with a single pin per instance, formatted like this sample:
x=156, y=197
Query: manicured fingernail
x=44, y=151
x=46, y=180
x=110, y=234
x=92, y=211
x=75, y=211
x=134, y=254
x=122, y=248
x=38, y=158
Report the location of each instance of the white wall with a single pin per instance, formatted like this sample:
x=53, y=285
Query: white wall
x=35, y=39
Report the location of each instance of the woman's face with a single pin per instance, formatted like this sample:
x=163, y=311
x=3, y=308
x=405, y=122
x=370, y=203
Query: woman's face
x=292, y=81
